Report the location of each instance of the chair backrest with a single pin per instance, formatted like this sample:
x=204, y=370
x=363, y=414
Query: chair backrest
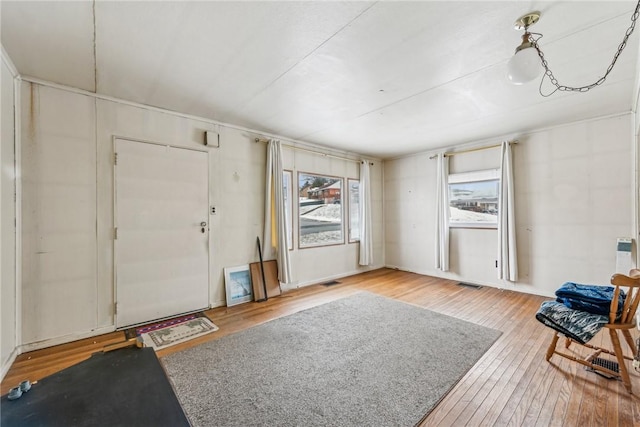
x=632, y=283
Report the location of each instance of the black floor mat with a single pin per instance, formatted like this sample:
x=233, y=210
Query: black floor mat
x=126, y=387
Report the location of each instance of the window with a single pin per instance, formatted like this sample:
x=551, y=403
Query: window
x=354, y=210
x=320, y=210
x=287, y=178
x=473, y=199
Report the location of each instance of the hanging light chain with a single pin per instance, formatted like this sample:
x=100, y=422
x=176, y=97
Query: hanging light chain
x=552, y=78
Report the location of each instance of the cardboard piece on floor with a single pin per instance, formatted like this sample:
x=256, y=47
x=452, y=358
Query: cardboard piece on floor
x=271, y=274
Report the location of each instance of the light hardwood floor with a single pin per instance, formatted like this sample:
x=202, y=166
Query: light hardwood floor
x=511, y=384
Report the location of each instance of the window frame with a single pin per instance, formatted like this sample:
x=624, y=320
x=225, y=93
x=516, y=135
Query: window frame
x=342, y=225
x=349, y=239
x=290, y=234
x=485, y=175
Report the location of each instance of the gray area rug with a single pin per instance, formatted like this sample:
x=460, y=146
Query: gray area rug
x=364, y=360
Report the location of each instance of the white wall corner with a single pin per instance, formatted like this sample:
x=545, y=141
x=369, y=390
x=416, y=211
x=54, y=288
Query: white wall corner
x=17, y=99
x=15, y=89
x=7, y=363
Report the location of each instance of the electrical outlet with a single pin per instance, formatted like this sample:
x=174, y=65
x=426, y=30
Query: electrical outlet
x=213, y=210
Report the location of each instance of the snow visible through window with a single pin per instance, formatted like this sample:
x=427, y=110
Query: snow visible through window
x=320, y=210
x=473, y=199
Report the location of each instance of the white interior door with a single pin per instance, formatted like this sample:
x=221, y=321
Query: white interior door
x=161, y=245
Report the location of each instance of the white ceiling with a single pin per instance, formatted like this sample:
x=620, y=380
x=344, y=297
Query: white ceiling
x=377, y=78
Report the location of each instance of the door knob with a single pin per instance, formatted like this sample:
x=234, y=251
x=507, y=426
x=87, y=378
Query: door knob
x=203, y=225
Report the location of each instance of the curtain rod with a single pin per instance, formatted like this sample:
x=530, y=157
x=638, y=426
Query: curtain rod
x=471, y=150
x=293, y=147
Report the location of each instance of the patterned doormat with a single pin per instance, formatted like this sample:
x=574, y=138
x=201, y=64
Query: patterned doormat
x=174, y=331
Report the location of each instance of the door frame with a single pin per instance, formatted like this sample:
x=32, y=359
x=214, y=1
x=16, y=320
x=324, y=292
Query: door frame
x=114, y=138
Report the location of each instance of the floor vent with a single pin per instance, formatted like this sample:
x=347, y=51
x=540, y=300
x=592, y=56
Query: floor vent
x=605, y=363
x=331, y=283
x=469, y=285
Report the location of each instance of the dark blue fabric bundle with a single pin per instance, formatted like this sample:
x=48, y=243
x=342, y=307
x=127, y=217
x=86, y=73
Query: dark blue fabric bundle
x=575, y=324
x=590, y=298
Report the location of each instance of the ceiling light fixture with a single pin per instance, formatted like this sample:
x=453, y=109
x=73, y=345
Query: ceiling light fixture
x=524, y=66
x=528, y=60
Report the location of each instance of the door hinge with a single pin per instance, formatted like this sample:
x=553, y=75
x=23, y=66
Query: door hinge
x=115, y=233
x=115, y=308
x=115, y=159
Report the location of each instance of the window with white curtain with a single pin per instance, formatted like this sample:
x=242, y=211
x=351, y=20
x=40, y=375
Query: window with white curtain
x=473, y=199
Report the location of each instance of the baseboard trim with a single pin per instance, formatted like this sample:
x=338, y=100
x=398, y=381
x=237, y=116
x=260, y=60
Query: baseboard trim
x=216, y=304
x=321, y=280
x=516, y=287
x=50, y=342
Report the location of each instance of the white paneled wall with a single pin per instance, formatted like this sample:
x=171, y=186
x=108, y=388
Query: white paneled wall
x=7, y=218
x=409, y=213
x=574, y=196
x=575, y=192
x=59, y=290
x=67, y=156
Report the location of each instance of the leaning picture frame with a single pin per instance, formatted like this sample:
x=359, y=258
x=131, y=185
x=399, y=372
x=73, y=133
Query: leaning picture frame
x=237, y=283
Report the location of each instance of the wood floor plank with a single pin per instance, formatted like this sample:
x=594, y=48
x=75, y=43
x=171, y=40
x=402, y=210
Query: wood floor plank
x=556, y=390
x=506, y=362
x=511, y=384
x=495, y=402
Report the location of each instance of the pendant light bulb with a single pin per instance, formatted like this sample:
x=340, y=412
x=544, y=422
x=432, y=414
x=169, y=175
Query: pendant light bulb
x=524, y=66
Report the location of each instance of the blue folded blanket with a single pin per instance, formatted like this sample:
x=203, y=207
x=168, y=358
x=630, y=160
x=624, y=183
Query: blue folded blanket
x=590, y=298
x=575, y=324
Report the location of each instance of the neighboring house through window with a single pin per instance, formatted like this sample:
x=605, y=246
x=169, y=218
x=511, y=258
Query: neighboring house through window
x=473, y=199
x=319, y=210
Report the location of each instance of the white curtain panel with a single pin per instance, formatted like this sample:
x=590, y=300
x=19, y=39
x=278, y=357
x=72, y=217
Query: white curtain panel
x=366, y=241
x=442, y=214
x=275, y=223
x=507, y=255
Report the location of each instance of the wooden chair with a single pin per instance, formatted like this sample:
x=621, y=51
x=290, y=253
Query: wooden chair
x=624, y=324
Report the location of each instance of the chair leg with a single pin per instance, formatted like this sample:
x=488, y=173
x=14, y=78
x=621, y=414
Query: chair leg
x=629, y=340
x=619, y=355
x=552, y=346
